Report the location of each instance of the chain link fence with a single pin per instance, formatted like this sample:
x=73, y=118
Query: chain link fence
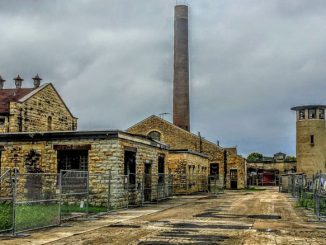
x=30, y=201
x=6, y=201
x=310, y=192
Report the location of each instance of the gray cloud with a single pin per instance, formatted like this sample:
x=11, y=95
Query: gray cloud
x=112, y=61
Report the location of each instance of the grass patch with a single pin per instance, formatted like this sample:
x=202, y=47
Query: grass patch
x=65, y=208
x=252, y=188
x=5, y=216
x=36, y=215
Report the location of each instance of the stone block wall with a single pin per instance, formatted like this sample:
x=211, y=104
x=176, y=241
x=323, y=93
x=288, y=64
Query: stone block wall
x=105, y=157
x=33, y=114
x=178, y=138
x=190, y=172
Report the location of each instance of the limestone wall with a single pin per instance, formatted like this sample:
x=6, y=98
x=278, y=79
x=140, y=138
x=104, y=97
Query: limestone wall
x=103, y=157
x=33, y=114
x=190, y=172
x=178, y=138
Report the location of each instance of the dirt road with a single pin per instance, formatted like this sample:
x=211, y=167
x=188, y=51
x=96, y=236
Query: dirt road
x=239, y=217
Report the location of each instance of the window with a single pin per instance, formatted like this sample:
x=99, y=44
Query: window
x=49, y=123
x=73, y=160
x=2, y=121
x=312, y=113
x=301, y=115
x=312, y=139
x=161, y=169
x=155, y=135
x=321, y=114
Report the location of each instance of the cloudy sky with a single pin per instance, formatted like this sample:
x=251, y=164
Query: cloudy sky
x=112, y=60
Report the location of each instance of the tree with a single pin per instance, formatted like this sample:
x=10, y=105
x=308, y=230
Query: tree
x=255, y=157
x=290, y=159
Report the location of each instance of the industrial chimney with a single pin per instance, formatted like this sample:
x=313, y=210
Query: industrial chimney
x=181, y=112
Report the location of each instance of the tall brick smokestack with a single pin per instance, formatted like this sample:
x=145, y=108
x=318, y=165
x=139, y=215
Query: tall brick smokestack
x=181, y=112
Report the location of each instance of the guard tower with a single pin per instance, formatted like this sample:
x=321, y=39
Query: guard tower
x=310, y=139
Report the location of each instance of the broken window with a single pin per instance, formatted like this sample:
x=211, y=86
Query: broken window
x=130, y=166
x=321, y=114
x=73, y=160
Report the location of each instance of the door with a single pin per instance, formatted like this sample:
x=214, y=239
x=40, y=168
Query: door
x=148, y=182
x=234, y=179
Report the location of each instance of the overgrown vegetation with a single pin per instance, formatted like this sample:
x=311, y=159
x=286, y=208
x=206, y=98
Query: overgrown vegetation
x=252, y=188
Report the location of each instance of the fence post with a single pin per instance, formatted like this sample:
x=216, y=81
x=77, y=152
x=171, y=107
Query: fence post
x=87, y=193
x=14, y=183
x=109, y=192
x=60, y=197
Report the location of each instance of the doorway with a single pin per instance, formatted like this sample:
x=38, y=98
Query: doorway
x=147, y=182
x=130, y=173
x=234, y=179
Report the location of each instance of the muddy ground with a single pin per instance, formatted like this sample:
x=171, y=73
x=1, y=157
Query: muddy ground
x=236, y=217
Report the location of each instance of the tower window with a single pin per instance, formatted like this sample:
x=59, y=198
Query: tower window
x=312, y=113
x=321, y=114
x=301, y=114
x=312, y=139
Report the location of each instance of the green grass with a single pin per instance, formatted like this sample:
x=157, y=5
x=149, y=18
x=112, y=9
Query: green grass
x=252, y=188
x=36, y=215
x=5, y=216
x=29, y=216
x=65, y=208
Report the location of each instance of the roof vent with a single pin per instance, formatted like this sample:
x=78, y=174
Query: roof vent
x=37, y=81
x=18, y=82
x=2, y=81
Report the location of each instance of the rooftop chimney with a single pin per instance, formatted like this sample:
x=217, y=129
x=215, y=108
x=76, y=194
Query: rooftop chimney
x=18, y=81
x=2, y=81
x=181, y=112
x=37, y=81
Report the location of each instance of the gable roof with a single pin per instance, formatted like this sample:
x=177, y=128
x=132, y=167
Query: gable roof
x=12, y=95
x=176, y=127
x=23, y=94
x=28, y=96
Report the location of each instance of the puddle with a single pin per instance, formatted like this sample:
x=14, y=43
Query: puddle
x=263, y=216
x=223, y=227
x=124, y=226
x=220, y=216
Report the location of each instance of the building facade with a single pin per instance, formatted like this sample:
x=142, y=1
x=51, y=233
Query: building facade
x=225, y=164
x=268, y=170
x=37, y=109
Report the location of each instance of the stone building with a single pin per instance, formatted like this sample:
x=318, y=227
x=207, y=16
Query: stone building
x=124, y=156
x=310, y=139
x=267, y=171
x=36, y=109
x=225, y=164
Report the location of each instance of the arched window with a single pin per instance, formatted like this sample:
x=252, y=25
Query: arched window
x=49, y=123
x=155, y=135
